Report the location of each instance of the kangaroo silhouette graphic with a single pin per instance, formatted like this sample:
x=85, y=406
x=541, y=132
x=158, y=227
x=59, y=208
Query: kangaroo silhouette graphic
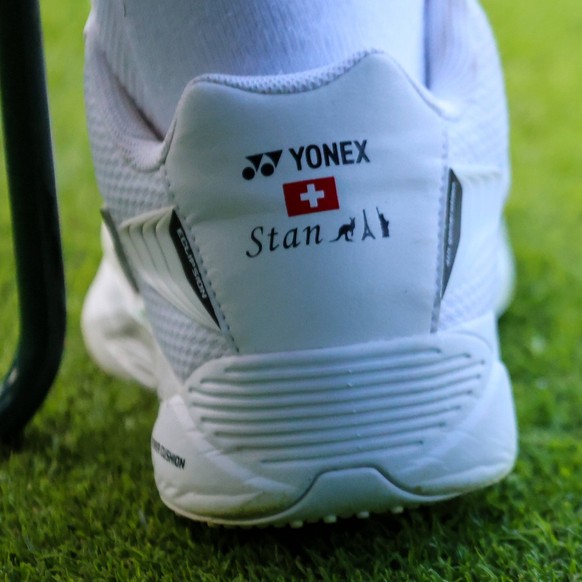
x=346, y=230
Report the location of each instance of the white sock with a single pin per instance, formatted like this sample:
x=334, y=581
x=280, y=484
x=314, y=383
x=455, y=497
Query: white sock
x=156, y=47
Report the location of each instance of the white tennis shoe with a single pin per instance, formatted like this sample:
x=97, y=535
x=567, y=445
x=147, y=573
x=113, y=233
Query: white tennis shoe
x=307, y=268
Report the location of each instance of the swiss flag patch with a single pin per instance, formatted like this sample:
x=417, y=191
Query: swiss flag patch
x=310, y=196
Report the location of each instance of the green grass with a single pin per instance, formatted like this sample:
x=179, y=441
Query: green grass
x=78, y=501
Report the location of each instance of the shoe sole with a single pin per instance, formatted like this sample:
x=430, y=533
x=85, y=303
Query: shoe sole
x=279, y=439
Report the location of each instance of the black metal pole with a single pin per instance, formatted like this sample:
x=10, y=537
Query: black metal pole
x=33, y=201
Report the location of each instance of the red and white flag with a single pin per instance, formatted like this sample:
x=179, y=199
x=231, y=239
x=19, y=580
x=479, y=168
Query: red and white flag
x=310, y=196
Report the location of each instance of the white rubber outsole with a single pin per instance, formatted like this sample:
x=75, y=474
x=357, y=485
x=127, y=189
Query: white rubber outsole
x=301, y=443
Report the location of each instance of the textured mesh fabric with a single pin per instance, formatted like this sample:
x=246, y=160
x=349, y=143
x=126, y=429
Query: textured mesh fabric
x=465, y=71
x=186, y=344
x=127, y=192
x=119, y=141
x=475, y=295
x=117, y=134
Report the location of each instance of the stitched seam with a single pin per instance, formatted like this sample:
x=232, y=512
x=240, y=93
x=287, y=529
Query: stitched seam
x=441, y=230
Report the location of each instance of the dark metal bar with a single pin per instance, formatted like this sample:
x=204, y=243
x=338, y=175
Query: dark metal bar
x=35, y=224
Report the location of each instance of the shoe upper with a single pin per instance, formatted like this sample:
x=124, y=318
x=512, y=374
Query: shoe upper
x=339, y=206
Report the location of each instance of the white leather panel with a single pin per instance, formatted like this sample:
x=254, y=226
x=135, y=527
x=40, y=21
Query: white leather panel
x=278, y=276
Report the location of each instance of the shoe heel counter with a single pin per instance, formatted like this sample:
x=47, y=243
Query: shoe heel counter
x=316, y=212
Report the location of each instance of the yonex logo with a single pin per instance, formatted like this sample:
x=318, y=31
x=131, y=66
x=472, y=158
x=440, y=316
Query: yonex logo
x=312, y=156
x=265, y=163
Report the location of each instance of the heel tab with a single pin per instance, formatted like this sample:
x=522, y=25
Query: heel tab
x=288, y=199
x=290, y=83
